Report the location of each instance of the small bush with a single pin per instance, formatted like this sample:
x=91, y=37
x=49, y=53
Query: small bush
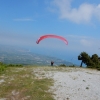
x=1, y=63
x=2, y=68
x=98, y=66
x=72, y=66
x=10, y=65
x=98, y=69
x=89, y=66
x=94, y=67
x=19, y=65
x=62, y=65
x=14, y=65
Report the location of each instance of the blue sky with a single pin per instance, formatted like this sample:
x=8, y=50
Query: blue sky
x=22, y=22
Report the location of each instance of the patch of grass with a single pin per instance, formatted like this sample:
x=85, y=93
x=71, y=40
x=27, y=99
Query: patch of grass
x=22, y=84
x=14, y=65
x=62, y=65
x=2, y=69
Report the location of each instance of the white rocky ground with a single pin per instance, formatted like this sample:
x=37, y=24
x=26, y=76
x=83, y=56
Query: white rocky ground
x=75, y=84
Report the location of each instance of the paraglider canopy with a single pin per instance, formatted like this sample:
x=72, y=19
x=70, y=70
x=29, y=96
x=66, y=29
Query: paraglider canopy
x=52, y=36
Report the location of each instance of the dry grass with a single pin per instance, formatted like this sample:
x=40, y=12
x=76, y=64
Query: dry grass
x=22, y=84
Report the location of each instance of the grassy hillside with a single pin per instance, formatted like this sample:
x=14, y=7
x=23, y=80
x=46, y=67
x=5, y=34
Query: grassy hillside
x=21, y=83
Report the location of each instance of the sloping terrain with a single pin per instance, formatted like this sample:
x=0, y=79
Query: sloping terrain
x=50, y=83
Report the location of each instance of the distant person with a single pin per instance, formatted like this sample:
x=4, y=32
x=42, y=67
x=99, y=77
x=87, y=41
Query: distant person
x=52, y=63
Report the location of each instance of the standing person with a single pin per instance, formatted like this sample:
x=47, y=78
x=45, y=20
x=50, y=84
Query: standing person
x=52, y=63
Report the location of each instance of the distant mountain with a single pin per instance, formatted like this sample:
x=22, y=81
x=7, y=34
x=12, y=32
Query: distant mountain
x=17, y=55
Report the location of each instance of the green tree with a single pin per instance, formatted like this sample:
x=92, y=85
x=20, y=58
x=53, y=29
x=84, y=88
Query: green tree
x=94, y=61
x=84, y=57
x=91, y=62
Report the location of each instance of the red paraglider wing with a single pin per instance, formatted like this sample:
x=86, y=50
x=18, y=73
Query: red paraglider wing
x=51, y=36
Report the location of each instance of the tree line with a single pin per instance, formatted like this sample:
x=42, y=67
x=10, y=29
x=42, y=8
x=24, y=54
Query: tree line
x=90, y=61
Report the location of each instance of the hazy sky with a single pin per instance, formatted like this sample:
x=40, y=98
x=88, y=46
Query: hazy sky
x=23, y=21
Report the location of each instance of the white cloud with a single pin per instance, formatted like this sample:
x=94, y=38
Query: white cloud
x=86, y=43
x=97, y=12
x=83, y=14
x=82, y=42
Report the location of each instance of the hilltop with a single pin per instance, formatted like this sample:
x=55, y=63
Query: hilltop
x=49, y=83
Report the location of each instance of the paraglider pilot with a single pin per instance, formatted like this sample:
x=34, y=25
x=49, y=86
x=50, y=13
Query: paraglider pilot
x=52, y=63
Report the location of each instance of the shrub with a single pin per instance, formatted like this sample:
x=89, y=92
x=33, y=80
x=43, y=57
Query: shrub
x=2, y=68
x=14, y=65
x=62, y=65
x=72, y=66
